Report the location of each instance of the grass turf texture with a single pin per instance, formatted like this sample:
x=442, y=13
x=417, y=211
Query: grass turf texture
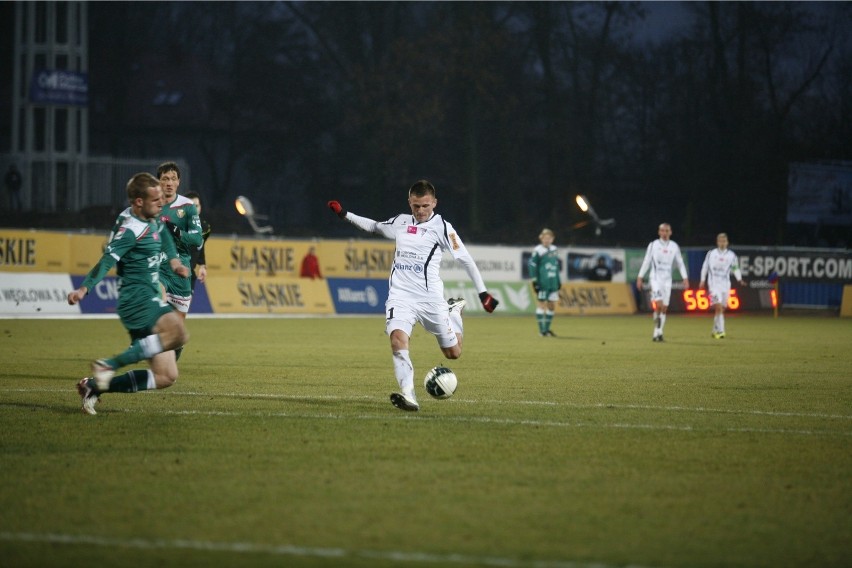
x=278, y=446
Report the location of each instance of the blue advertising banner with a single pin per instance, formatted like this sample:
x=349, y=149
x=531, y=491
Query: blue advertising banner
x=59, y=87
x=358, y=296
x=102, y=299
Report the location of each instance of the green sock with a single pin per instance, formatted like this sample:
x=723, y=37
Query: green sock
x=129, y=382
x=133, y=354
x=548, y=318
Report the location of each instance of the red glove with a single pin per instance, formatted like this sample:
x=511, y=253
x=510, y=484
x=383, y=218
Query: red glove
x=489, y=302
x=337, y=208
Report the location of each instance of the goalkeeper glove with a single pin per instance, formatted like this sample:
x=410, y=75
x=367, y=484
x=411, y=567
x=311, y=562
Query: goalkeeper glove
x=536, y=286
x=489, y=302
x=337, y=208
x=174, y=230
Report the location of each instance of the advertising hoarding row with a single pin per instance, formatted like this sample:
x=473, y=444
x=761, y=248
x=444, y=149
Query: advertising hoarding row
x=262, y=276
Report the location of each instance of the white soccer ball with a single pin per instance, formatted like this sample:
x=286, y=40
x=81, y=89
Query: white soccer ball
x=440, y=382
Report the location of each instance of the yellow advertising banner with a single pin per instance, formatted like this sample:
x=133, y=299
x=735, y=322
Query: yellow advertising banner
x=596, y=298
x=266, y=295
x=357, y=258
x=85, y=252
x=33, y=251
x=276, y=258
x=846, y=302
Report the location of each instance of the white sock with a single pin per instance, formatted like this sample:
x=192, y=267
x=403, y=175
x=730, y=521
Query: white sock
x=456, y=322
x=662, y=322
x=152, y=384
x=721, y=323
x=151, y=345
x=404, y=371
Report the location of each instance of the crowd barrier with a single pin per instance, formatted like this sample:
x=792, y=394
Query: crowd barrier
x=262, y=276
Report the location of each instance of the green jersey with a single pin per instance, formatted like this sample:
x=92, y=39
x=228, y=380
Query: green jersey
x=183, y=214
x=135, y=248
x=543, y=268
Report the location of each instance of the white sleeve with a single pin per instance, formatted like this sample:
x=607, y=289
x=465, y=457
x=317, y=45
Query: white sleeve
x=472, y=271
x=737, y=272
x=705, y=268
x=680, y=265
x=370, y=226
x=456, y=247
x=646, y=262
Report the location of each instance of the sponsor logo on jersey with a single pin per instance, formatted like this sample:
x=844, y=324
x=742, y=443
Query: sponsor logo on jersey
x=454, y=241
x=412, y=230
x=416, y=268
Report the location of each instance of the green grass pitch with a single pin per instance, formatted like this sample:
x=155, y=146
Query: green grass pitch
x=278, y=447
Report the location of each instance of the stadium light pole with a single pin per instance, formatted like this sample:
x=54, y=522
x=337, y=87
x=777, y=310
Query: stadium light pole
x=586, y=207
x=246, y=209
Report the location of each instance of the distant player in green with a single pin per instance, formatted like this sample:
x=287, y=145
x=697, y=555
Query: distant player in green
x=136, y=247
x=543, y=269
x=181, y=218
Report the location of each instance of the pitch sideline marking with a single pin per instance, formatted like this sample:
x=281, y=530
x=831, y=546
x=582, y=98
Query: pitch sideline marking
x=291, y=550
x=698, y=409
x=480, y=420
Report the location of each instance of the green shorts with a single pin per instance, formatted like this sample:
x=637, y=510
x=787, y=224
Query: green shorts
x=140, y=308
x=178, y=290
x=176, y=284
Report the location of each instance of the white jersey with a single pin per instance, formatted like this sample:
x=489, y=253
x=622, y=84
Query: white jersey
x=659, y=258
x=414, y=276
x=717, y=268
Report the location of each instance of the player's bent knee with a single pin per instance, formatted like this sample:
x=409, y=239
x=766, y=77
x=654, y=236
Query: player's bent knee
x=165, y=380
x=452, y=352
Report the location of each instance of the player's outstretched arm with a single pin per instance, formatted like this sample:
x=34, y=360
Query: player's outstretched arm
x=489, y=302
x=77, y=295
x=337, y=209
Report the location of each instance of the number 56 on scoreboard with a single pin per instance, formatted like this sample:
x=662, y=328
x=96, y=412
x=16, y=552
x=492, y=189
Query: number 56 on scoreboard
x=698, y=300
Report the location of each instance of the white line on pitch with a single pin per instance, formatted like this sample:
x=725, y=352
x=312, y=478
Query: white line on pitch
x=616, y=406
x=475, y=420
x=291, y=550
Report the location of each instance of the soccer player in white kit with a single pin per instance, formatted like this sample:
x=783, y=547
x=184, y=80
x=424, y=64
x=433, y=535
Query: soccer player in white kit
x=416, y=292
x=716, y=273
x=659, y=258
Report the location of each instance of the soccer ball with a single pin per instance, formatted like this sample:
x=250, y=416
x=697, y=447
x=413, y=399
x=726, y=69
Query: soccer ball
x=440, y=382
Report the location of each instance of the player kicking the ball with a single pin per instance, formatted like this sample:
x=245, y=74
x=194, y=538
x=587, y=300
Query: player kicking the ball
x=716, y=273
x=416, y=292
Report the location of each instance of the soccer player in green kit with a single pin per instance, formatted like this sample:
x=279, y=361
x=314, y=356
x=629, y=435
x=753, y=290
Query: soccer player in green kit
x=136, y=247
x=180, y=216
x=543, y=269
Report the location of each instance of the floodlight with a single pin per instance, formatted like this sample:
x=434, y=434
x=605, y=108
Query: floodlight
x=586, y=207
x=246, y=209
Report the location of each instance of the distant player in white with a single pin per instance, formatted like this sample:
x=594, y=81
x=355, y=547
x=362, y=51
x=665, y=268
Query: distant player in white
x=416, y=291
x=659, y=258
x=716, y=274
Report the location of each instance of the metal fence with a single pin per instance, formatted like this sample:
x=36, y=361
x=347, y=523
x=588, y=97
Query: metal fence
x=51, y=186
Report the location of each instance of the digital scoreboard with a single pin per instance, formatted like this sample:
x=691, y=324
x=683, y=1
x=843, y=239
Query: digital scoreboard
x=755, y=295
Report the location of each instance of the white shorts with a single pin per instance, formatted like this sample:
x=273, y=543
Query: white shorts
x=179, y=303
x=435, y=318
x=661, y=292
x=545, y=296
x=719, y=295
